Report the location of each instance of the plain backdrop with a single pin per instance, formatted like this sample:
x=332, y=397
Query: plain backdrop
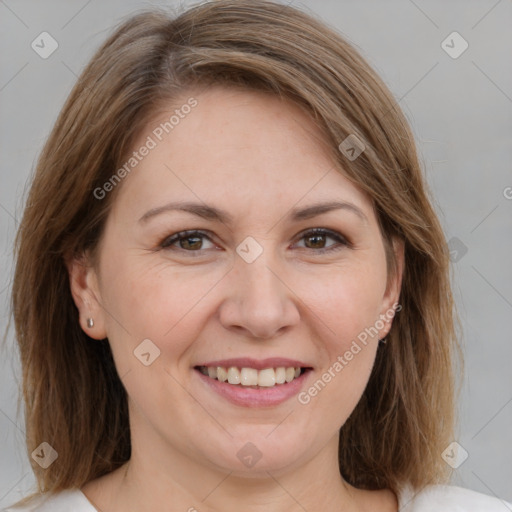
x=460, y=109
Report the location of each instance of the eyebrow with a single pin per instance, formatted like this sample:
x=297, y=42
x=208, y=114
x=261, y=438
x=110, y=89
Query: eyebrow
x=216, y=214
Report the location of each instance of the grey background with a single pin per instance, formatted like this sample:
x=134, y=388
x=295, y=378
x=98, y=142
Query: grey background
x=461, y=114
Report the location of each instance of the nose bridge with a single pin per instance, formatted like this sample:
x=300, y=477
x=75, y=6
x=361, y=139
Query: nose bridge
x=259, y=301
x=259, y=283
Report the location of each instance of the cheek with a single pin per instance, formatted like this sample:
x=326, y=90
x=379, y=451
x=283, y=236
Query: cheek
x=346, y=307
x=348, y=347
x=159, y=301
x=347, y=301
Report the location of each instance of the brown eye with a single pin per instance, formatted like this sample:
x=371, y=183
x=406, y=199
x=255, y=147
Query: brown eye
x=316, y=240
x=190, y=241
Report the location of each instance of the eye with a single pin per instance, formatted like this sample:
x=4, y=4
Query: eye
x=318, y=236
x=189, y=241
x=192, y=241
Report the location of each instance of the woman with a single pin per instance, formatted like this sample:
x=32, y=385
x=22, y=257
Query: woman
x=231, y=289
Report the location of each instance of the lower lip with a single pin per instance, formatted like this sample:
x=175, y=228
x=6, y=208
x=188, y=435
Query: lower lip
x=251, y=397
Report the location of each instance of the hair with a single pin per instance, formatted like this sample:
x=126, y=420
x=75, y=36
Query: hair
x=73, y=396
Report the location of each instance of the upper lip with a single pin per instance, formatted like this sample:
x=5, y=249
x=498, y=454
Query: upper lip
x=258, y=364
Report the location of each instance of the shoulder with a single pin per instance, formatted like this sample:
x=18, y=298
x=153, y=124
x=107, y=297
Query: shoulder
x=70, y=500
x=446, y=498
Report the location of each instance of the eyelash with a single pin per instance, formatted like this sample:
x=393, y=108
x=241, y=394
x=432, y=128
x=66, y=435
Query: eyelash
x=167, y=242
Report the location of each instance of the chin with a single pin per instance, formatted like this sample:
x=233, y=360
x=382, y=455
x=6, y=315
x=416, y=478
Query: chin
x=259, y=451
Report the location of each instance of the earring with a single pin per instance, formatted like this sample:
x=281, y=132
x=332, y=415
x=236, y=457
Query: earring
x=90, y=323
x=382, y=341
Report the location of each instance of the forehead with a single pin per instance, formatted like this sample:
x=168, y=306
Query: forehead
x=238, y=146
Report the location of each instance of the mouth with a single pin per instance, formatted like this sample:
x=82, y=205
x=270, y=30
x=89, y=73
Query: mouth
x=249, y=377
x=251, y=382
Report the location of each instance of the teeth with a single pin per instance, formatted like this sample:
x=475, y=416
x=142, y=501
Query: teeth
x=234, y=376
x=249, y=377
x=222, y=374
x=267, y=378
x=280, y=375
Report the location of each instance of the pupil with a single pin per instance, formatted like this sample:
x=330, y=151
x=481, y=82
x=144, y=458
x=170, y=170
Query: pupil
x=198, y=241
x=316, y=237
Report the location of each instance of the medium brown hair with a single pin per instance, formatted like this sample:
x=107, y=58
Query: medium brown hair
x=73, y=397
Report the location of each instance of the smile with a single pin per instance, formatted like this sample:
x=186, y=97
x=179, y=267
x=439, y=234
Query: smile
x=250, y=382
x=251, y=377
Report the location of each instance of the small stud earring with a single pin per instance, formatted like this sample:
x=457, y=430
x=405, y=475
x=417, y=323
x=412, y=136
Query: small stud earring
x=90, y=323
x=382, y=341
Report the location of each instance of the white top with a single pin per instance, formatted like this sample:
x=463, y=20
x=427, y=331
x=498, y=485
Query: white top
x=435, y=498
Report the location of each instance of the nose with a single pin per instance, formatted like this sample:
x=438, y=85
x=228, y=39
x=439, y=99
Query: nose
x=258, y=299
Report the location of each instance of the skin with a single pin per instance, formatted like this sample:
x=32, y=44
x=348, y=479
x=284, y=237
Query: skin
x=257, y=157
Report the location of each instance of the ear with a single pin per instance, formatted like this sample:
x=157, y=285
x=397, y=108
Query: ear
x=85, y=291
x=390, y=304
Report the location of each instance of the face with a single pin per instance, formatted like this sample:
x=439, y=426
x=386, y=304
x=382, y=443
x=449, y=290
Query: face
x=259, y=288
